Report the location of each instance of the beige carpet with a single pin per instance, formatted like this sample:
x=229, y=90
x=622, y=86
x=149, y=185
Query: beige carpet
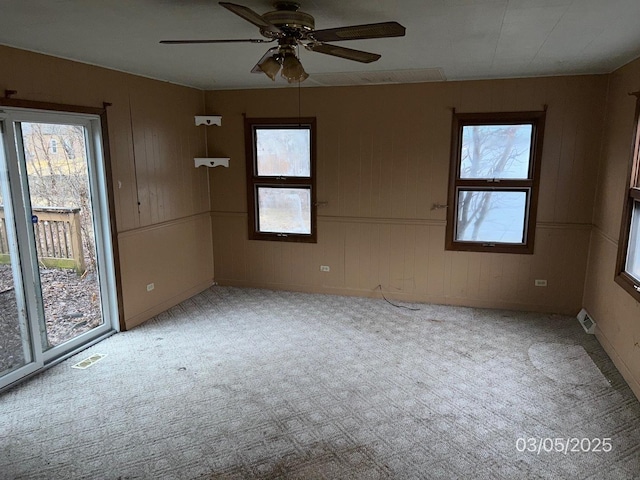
x=242, y=383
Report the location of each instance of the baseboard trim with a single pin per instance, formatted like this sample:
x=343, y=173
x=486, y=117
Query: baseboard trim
x=400, y=296
x=166, y=305
x=633, y=383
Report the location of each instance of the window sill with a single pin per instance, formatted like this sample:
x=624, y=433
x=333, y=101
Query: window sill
x=629, y=285
x=279, y=237
x=489, y=248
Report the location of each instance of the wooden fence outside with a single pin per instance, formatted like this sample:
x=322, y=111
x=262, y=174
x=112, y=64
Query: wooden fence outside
x=58, y=237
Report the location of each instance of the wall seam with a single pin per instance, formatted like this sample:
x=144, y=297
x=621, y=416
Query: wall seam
x=133, y=156
x=596, y=228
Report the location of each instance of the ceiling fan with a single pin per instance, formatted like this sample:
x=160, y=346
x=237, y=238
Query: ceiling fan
x=291, y=27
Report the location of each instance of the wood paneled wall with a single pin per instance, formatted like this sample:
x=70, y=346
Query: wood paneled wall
x=616, y=313
x=383, y=161
x=153, y=140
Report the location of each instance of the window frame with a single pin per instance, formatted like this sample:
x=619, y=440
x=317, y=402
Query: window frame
x=254, y=180
x=632, y=195
x=531, y=185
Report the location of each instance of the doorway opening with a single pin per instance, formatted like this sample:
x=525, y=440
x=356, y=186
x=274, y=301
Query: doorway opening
x=57, y=282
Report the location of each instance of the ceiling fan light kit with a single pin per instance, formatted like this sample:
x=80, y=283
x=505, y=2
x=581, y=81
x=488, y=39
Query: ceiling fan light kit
x=270, y=67
x=292, y=69
x=283, y=57
x=291, y=27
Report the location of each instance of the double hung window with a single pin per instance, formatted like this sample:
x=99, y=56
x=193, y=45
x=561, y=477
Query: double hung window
x=628, y=264
x=493, y=182
x=281, y=179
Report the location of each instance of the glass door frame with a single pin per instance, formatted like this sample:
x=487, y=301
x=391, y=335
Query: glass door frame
x=99, y=182
x=18, y=235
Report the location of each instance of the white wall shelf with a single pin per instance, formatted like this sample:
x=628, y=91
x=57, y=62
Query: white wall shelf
x=210, y=162
x=209, y=120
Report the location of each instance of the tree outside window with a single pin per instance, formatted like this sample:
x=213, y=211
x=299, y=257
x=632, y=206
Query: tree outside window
x=495, y=165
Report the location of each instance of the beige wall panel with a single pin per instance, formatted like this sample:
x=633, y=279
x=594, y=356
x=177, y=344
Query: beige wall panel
x=485, y=279
x=123, y=167
x=616, y=313
x=549, y=172
x=163, y=255
x=565, y=168
x=421, y=259
x=617, y=147
x=384, y=151
x=580, y=147
x=260, y=257
x=398, y=276
x=383, y=161
x=457, y=276
x=356, y=247
x=368, y=168
x=495, y=267
x=164, y=139
x=301, y=268
x=228, y=185
x=47, y=79
x=408, y=261
x=165, y=136
x=614, y=310
x=349, y=141
x=436, y=272
x=331, y=243
x=328, y=178
x=365, y=174
x=478, y=99
x=230, y=254
x=474, y=270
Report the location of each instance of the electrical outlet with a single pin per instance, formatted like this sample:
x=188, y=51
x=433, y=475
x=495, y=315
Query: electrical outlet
x=324, y=268
x=150, y=287
x=540, y=283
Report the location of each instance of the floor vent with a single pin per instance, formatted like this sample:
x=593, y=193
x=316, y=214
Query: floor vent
x=87, y=362
x=587, y=322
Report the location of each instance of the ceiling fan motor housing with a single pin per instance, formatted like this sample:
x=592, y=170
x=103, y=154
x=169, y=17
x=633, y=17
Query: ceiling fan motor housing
x=289, y=20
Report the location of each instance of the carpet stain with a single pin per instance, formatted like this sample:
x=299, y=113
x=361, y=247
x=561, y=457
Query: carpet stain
x=566, y=364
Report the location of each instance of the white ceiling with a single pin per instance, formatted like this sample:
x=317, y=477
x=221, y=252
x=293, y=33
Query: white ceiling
x=466, y=39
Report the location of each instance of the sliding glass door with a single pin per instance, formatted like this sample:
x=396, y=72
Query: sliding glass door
x=17, y=356
x=57, y=289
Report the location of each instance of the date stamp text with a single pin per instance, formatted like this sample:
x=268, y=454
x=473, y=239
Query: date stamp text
x=564, y=445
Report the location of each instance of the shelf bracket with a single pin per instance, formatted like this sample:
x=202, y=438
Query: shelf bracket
x=212, y=162
x=209, y=120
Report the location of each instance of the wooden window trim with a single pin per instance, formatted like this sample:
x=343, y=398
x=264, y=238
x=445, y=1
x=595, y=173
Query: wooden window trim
x=254, y=181
x=460, y=120
x=632, y=195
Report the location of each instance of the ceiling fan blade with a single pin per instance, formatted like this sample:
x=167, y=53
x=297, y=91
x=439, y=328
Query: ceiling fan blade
x=348, y=53
x=250, y=16
x=359, y=32
x=270, y=52
x=234, y=40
